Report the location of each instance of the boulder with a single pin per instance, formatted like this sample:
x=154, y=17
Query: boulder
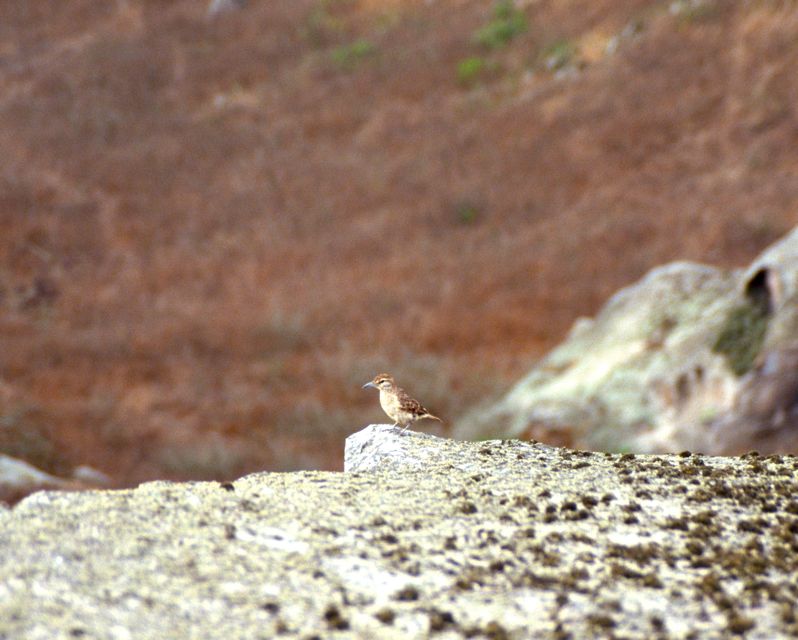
x=691, y=357
x=423, y=537
x=18, y=479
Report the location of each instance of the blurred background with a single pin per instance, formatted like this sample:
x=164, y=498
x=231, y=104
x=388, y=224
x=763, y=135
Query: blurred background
x=219, y=219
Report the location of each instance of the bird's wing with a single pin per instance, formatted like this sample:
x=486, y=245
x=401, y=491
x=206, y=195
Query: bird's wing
x=410, y=404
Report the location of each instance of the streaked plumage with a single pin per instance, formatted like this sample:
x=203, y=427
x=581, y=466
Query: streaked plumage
x=400, y=406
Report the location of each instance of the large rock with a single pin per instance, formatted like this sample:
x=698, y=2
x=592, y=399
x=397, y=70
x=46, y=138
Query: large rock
x=690, y=357
x=499, y=539
x=19, y=479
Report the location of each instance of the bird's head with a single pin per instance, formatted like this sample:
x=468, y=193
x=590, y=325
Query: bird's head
x=382, y=381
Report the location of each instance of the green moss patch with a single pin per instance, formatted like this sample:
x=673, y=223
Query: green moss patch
x=742, y=336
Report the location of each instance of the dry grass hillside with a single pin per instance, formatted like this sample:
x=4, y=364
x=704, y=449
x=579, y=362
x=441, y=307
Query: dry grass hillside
x=213, y=231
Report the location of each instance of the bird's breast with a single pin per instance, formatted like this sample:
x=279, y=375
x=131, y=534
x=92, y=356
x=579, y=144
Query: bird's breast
x=389, y=403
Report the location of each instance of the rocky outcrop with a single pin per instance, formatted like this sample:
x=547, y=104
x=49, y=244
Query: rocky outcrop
x=18, y=479
x=691, y=357
x=422, y=537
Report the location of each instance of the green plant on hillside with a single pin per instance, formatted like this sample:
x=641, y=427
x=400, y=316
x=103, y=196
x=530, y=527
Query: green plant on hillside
x=467, y=212
x=348, y=56
x=469, y=70
x=321, y=23
x=508, y=22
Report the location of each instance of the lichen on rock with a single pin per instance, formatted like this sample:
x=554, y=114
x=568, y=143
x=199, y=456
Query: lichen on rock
x=742, y=337
x=424, y=536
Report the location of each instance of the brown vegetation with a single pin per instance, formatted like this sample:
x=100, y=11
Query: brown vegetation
x=212, y=232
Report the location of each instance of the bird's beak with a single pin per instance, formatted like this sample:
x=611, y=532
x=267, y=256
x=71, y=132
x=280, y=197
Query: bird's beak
x=370, y=385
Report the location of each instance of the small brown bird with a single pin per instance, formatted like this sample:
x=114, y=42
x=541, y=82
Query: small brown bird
x=395, y=401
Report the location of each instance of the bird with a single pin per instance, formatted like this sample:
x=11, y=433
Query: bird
x=403, y=409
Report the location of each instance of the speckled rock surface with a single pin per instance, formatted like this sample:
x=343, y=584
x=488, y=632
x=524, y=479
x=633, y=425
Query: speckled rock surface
x=497, y=539
x=690, y=357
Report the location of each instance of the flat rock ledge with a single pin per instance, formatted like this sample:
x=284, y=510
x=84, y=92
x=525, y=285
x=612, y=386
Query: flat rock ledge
x=421, y=537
